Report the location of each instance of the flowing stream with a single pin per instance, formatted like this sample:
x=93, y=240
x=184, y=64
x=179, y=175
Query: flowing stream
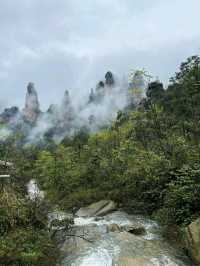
x=120, y=248
x=101, y=242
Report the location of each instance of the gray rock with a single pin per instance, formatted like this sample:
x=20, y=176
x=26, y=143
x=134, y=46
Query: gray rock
x=100, y=208
x=109, y=207
x=97, y=219
x=32, y=107
x=134, y=229
x=73, y=246
x=134, y=261
x=113, y=228
x=192, y=240
x=78, y=239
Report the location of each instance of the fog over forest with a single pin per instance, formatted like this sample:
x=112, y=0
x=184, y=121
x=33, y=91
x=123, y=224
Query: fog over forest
x=68, y=45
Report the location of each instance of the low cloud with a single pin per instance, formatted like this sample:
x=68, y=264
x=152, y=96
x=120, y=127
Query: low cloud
x=5, y=133
x=69, y=44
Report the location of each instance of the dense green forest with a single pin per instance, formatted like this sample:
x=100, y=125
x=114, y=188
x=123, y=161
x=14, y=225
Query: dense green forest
x=148, y=161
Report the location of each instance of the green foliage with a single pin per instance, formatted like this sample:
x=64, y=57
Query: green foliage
x=24, y=237
x=183, y=195
x=141, y=160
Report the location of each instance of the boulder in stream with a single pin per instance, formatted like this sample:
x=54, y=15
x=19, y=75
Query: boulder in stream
x=113, y=228
x=134, y=229
x=99, y=208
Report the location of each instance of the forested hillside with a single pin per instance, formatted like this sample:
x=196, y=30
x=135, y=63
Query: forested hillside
x=148, y=160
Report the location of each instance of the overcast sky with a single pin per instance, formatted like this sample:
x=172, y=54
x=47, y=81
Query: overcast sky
x=61, y=44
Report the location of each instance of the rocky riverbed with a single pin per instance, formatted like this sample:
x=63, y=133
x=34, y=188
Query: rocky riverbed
x=101, y=235
x=112, y=241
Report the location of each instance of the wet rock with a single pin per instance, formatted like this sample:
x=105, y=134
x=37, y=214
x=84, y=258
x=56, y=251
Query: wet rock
x=123, y=236
x=78, y=239
x=134, y=261
x=108, y=208
x=113, y=228
x=192, y=240
x=90, y=232
x=32, y=107
x=118, y=248
x=74, y=245
x=97, y=219
x=100, y=208
x=134, y=229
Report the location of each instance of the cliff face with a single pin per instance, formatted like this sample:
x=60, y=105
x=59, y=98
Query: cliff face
x=32, y=107
x=103, y=89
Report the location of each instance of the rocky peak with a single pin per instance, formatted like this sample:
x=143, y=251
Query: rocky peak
x=52, y=109
x=100, y=91
x=31, y=88
x=66, y=100
x=92, y=96
x=100, y=85
x=66, y=111
x=31, y=97
x=32, y=107
x=109, y=79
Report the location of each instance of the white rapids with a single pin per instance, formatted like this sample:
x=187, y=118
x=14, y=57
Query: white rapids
x=118, y=248
x=33, y=190
x=122, y=248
